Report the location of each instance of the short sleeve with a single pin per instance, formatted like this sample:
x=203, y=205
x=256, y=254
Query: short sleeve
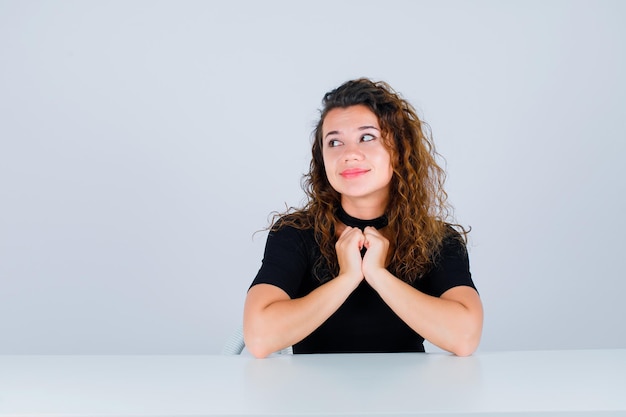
x=450, y=268
x=285, y=261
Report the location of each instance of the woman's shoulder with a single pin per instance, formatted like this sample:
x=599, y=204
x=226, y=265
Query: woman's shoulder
x=289, y=237
x=298, y=220
x=453, y=242
x=292, y=227
x=456, y=232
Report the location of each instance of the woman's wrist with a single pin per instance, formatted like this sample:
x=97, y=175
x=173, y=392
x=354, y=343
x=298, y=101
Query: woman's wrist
x=376, y=276
x=354, y=278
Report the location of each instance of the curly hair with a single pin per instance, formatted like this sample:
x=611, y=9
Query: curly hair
x=417, y=209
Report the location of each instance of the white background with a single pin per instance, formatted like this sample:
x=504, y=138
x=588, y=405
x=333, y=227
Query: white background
x=142, y=143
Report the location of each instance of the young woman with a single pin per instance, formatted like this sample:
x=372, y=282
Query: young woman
x=370, y=263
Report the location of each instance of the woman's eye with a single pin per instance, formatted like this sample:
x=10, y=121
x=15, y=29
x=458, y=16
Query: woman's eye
x=333, y=143
x=367, y=138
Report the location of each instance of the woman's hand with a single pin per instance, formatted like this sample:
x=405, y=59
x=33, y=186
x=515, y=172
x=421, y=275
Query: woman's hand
x=375, y=258
x=348, y=248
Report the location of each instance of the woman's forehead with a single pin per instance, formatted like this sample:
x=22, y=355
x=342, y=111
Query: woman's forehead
x=349, y=117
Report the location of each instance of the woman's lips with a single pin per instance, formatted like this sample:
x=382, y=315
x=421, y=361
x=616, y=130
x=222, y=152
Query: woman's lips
x=353, y=172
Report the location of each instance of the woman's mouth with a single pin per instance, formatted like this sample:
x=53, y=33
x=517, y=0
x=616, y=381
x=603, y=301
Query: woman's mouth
x=353, y=172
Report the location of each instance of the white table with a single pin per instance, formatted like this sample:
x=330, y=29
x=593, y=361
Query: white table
x=541, y=383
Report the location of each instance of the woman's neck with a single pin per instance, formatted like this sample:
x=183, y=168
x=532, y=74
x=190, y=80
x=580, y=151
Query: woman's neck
x=364, y=210
x=351, y=221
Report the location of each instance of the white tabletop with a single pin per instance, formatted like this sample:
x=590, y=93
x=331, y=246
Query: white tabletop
x=543, y=383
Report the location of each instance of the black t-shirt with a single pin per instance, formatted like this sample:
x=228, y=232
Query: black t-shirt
x=364, y=323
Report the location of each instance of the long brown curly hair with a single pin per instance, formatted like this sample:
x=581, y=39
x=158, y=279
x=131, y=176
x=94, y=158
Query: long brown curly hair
x=418, y=211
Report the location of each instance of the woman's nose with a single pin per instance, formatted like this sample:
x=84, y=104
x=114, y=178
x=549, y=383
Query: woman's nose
x=352, y=153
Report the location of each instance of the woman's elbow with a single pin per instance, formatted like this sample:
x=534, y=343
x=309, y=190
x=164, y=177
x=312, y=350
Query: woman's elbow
x=256, y=344
x=467, y=344
x=465, y=348
x=469, y=333
x=258, y=352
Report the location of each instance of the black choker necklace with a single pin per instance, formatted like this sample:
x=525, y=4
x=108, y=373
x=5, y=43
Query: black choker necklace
x=345, y=218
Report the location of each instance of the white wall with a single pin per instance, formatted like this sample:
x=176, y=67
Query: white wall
x=142, y=143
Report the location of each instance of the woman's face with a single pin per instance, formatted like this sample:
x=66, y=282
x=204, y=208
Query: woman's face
x=357, y=164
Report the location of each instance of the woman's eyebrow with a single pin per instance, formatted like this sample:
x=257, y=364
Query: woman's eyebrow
x=332, y=132
x=336, y=132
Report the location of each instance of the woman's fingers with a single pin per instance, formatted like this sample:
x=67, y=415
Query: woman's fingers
x=377, y=247
x=348, y=249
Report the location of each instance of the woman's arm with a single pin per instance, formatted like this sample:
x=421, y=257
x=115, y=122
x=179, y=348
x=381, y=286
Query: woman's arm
x=273, y=321
x=452, y=322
